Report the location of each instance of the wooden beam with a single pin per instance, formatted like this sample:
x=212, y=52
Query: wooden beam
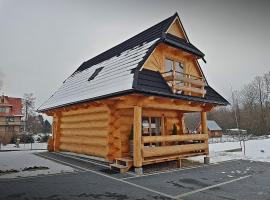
x=137, y=137
x=204, y=122
x=190, y=89
x=205, y=128
x=173, y=138
x=173, y=150
x=171, y=106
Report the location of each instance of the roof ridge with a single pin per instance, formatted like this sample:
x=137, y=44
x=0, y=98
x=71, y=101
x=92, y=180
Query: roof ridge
x=147, y=35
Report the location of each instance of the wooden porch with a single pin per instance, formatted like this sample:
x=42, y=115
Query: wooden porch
x=166, y=146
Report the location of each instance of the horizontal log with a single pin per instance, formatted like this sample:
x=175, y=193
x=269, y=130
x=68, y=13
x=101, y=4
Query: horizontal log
x=85, y=111
x=170, y=158
x=190, y=89
x=158, y=113
x=173, y=120
x=84, y=149
x=183, y=79
x=125, y=112
x=172, y=150
x=174, y=138
x=95, y=141
x=85, y=117
x=91, y=124
x=93, y=132
x=170, y=106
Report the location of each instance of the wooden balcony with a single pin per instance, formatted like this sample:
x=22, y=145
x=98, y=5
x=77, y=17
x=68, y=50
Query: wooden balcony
x=186, y=83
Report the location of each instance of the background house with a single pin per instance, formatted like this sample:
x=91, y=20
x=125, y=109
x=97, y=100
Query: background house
x=214, y=129
x=10, y=117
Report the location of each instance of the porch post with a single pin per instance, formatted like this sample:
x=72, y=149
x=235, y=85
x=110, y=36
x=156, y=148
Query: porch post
x=204, y=122
x=205, y=131
x=137, y=139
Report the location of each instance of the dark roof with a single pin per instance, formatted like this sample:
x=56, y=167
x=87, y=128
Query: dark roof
x=152, y=83
x=148, y=35
x=182, y=44
x=118, y=65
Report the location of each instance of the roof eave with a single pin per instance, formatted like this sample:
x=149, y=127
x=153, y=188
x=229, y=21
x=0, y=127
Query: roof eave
x=184, y=47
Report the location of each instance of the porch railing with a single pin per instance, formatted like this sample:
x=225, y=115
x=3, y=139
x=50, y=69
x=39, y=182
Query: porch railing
x=185, y=82
x=197, y=143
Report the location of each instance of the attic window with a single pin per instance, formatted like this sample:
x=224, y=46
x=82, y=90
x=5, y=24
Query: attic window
x=95, y=73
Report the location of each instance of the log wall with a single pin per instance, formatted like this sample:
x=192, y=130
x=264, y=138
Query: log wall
x=103, y=128
x=85, y=131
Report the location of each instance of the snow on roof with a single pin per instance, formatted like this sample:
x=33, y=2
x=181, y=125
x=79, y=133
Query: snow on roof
x=236, y=130
x=213, y=126
x=116, y=76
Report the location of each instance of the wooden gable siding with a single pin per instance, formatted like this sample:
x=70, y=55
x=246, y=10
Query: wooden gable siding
x=175, y=29
x=156, y=60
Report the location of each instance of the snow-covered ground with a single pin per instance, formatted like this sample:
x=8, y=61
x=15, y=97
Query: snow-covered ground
x=23, y=161
x=24, y=146
x=28, y=164
x=257, y=150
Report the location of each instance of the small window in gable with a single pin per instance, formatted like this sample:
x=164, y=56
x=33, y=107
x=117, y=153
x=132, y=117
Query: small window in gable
x=169, y=65
x=96, y=72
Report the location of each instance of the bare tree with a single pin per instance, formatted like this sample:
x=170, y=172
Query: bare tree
x=28, y=107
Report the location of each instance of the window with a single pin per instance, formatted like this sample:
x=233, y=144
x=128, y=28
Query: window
x=2, y=109
x=151, y=126
x=179, y=67
x=96, y=72
x=169, y=65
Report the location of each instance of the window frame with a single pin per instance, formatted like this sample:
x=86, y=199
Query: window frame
x=174, y=59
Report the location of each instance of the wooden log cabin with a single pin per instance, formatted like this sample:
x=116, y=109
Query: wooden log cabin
x=127, y=105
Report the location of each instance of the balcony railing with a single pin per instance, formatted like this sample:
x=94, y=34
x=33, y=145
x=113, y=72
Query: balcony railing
x=186, y=83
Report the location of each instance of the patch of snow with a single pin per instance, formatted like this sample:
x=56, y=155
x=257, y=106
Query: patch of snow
x=253, y=151
x=19, y=160
x=24, y=146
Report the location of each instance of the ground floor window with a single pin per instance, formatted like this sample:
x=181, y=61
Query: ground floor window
x=151, y=126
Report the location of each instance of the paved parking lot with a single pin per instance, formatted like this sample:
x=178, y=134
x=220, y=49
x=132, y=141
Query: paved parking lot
x=236, y=179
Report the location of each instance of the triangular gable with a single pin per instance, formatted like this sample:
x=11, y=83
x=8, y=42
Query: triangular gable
x=176, y=28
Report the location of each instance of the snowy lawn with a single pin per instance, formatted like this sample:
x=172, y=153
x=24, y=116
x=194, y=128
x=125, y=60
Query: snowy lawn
x=256, y=150
x=24, y=146
x=15, y=164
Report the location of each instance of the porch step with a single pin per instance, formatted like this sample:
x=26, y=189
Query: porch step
x=124, y=161
x=120, y=168
x=122, y=164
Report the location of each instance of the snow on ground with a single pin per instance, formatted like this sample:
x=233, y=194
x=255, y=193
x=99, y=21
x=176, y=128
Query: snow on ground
x=19, y=160
x=24, y=146
x=256, y=150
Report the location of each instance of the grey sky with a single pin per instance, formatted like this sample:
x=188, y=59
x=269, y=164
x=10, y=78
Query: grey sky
x=43, y=42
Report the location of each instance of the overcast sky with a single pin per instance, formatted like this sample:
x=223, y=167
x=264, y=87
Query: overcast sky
x=43, y=42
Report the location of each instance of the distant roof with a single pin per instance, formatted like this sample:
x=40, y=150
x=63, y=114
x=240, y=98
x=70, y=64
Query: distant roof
x=14, y=103
x=213, y=126
x=121, y=71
